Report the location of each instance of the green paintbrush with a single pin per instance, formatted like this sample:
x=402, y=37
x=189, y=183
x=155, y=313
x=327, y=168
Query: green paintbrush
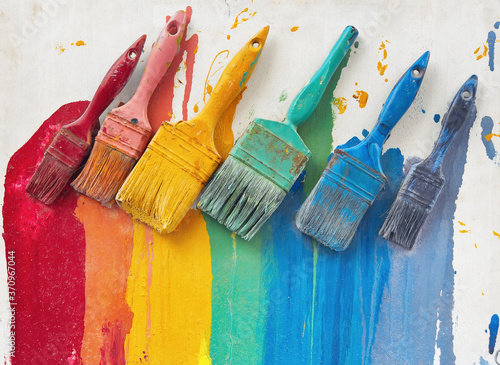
x=267, y=159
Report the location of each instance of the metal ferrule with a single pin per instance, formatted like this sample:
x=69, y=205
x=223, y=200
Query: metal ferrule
x=68, y=149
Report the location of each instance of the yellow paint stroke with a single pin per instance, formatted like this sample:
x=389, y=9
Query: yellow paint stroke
x=208, y=87
x=362, y=97
x=237, y=21
x=169, y=291
x=461, y=223
x=464, y=231
x=294, y=29
x=60, y=48
x=496, y=234
x=108, y=255
x=479, y=54
x=381, y=65
x=341, y=104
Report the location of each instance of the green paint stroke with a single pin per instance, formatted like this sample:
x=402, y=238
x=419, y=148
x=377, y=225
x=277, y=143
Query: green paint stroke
x=283, y=96
x=316, y=133
x=238, y=306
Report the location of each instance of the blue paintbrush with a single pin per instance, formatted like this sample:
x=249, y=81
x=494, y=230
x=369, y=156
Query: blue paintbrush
x=424, y=182
x=353, y=177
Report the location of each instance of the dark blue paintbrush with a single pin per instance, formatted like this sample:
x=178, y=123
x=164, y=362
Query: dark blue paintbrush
x=354, y=176
x=424, y=182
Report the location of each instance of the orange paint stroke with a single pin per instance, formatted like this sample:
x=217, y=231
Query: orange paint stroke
x=496, y=234
x=362, y=97
x=480, y=55
x=160, y=106
x=294, y=29
x=237, y=21
x=109, y=244
x=208, y=87
x=341, y=104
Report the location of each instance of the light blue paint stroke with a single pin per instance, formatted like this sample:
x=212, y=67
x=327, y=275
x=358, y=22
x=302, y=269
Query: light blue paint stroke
x=288, y=273
x=493, y=327
x=420, y=287
x=483, y=361
x=497, y=24
x=487, y=128
x=492, y=37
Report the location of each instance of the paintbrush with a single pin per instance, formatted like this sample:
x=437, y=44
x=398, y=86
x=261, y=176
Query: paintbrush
x=353, y=176
x=267, y=159
x=182, y=156
x=424, y=182
x=126, y=131
x=71, y=144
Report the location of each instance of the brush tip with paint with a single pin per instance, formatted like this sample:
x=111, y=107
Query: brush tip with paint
x=353, y=176
x=424, y=182
x=72, y=142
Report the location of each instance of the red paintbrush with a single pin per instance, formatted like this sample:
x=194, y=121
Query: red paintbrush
x=71, y=144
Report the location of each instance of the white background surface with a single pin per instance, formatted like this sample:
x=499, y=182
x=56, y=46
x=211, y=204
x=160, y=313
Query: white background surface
x=37, y=79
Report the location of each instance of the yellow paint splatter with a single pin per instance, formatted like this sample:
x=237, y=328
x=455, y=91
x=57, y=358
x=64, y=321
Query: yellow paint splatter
x=496, y=234
x=491, y=135
x=294, y=29
x=381, y=65
x=80, y=43
x=482, y=54
x=228, y=37
x=461, y=223
x=341, y=104
x=60, y=48
x=464, y=231
x=208, y=88
x=195, y=108
x=169, y=291
x=362, y=97
x=482, y=293
x=238, y=21
x=475, y=245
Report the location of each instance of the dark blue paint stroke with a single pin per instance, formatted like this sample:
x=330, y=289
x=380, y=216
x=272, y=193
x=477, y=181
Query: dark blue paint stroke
x=288, y=262
x=487, y=128
x=437, y=117
x=420, y=288
x=493, y=327
x=492, y=37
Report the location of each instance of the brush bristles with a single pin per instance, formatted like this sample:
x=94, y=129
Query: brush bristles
x=49, y=180
x=103, y=174
x=158, y=192
x=404, y=222
x=240, y=198
x=331, y=215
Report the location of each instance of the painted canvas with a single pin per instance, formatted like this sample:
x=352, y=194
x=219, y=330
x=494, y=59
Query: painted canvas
x=81, y=283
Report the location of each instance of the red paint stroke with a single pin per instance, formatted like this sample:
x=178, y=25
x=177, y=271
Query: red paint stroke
x=113, y=351
x=49, y=253
x=160, y=104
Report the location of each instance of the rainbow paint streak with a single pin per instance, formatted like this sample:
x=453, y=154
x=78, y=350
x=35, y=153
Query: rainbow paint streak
x=115, y=292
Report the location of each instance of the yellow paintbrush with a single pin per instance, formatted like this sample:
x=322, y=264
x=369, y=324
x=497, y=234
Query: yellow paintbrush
x=182, y=156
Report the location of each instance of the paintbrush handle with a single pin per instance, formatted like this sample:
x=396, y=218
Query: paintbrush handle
x=232, y=81
x=309, y=97
x=399, y=100
x=114, y=81
x=453, y=120
x=163, y=52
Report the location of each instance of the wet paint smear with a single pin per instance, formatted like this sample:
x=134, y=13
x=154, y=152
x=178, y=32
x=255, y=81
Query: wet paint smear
x=493, y=327
x=49, y=262
x=437, y=117
x=491, y=53
x=362, y=97
x=487, y=128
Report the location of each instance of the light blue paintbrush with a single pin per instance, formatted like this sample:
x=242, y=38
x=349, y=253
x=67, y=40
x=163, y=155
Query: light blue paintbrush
x=267, y=159
x=353, y=177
